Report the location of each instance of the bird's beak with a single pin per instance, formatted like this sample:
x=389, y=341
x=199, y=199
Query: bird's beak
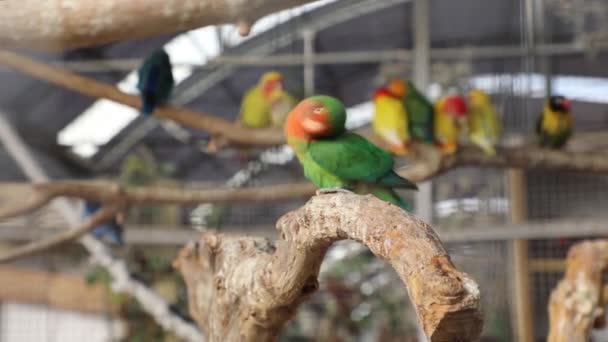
x=314, y=127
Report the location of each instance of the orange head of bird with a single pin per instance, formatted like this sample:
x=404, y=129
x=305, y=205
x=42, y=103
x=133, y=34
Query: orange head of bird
x=559, y=104
x=397, y=87
x=316, y=117
x=455, y=106
x=270, y=82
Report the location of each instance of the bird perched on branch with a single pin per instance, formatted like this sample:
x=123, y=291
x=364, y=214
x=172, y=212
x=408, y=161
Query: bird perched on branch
x=450, y=120
x=419, y=109
x=266, y=104
x=110, y=231
x=554, y=126
x=483, y=122
x=335, y=158
x=391, y=121
x=155, y=81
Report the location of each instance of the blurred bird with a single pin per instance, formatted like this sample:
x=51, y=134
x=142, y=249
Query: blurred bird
x=267, y=103
x=335, y=158
x=110, y=231
x=450, y=119
x=483, y=122
x=554, y=126
x=155, y=81
x=390, y=121
x=418, y=108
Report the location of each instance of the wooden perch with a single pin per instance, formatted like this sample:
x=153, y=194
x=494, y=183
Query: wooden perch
x=427, y=161
x=214, y=125
x=577, y=302
x=63, y=24
x=245, y=288
x=110, y=192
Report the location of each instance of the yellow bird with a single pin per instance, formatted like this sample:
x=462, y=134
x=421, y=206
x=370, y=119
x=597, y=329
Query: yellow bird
x=554, y=127
x=391, y=121
x=267, y=103
x=483, y=122
x=450, y=119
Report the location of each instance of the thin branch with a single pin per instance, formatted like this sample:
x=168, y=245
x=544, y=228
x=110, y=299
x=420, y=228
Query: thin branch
x=71, y=24
x=35, y=247
x=214, y=125
x=243, y=288
x=110, y=192
x=428, y=163
x=577, y=302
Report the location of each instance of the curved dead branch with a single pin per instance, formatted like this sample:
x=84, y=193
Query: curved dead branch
x=71, y=24
x=102, y=215
x=578, y=302
x=243, y=288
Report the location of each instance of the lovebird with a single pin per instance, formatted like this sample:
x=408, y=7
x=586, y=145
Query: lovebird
x=266, y=104
x=554, y=127
x=332, y=157
x=391, y=121
x=110, y=231
x=484, y=126
x=155, y=81
x=419, y=110
x=450, y=120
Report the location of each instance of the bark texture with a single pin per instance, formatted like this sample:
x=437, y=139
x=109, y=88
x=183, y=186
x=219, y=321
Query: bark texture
x=246, y=289
x=66, y=24
x=577, y=303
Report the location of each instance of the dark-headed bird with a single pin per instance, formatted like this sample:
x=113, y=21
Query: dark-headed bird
x=155, y=81
x=554, y=127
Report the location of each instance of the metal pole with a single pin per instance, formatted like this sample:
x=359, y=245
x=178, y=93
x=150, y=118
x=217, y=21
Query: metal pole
x=308, y=40
x=542, y=31
x=421, y=75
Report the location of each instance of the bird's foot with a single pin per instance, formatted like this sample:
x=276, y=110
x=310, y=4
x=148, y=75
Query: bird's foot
x=333, y=191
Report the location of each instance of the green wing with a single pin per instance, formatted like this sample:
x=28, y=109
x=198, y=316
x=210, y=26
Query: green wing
x=352, y=158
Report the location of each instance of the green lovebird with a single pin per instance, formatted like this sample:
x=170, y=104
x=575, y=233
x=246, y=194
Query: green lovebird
x=419, y=109
x=335, y=158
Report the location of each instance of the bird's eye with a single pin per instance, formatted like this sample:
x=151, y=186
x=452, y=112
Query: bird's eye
x=318, y=110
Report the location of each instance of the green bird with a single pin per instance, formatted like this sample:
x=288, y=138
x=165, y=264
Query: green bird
x=419, y=109
x=554, y=126
x=335, y=158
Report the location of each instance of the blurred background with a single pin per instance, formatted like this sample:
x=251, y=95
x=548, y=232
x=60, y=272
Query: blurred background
x=518, y=51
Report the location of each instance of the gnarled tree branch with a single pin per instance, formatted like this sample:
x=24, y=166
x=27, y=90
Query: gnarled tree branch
x=578, y=301
x=71, y=24
x=245, y=289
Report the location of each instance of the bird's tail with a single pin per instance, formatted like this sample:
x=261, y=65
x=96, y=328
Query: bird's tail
x=484, y=144
x=389, y=195
x=147, y=107
x=393, y=180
